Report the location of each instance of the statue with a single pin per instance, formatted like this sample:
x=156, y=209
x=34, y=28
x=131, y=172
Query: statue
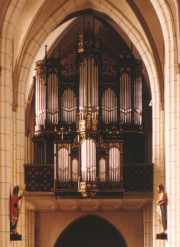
x=15, y=210
x=162, y=207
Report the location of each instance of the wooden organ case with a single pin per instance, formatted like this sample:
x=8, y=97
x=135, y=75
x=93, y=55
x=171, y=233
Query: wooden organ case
x=88, y=115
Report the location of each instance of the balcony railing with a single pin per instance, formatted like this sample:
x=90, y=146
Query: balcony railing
x=136, y=178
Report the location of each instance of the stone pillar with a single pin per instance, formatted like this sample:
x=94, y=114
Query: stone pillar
x=147, y=221
x=30, y=228
x=8, y=165
x=18, y=131
x=178, y=152
x=171, y=121
x=5, y=143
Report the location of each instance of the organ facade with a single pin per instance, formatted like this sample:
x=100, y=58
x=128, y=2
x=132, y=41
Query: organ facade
x=89, y=116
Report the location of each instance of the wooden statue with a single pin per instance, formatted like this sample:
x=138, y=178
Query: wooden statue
x=162, y=210
x=15, y=211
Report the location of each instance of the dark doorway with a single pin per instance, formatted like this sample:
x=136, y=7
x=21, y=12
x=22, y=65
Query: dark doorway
x=90, y=231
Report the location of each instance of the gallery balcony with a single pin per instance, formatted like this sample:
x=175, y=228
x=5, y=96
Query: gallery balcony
x=137, y=178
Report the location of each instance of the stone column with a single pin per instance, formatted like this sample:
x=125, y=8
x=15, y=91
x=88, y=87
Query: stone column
x=30, y=228
x=178, y=152
x=5, y=142
x=147, y=220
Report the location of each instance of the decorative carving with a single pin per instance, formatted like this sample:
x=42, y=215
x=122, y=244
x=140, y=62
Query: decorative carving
x=82, y=125
x=40, y=69
x=102, y=145
x=68, y=66
x=63, y=145
x=94, y=125
x=116, y=145
x=108, y=67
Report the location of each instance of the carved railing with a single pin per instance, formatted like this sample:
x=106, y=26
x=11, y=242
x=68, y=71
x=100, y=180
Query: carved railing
x=39, y=177
x=136, y=178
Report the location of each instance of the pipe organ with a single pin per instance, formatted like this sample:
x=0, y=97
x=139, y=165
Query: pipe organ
x=84, y=111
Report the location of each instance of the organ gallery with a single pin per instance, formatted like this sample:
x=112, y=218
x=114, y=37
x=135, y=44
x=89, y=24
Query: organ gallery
x=90, y=106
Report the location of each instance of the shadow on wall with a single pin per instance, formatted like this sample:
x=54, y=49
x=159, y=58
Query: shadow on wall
x=90, y=231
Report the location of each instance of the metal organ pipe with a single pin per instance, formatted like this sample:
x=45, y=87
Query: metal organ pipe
x=74, y=170
x=102, y=170
x=125, y=98
x=39, y=102
x=138, y=101
x=69, y=107
x=52, y=99
x=114, y=165
x=109, y=106
x=63, y=165
x=88, y=160
x=88, y=92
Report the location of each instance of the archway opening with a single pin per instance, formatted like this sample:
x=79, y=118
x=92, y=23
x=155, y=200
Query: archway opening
x=90, y=231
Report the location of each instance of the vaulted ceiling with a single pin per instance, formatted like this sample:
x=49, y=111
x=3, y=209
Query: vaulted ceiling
x=46, y=19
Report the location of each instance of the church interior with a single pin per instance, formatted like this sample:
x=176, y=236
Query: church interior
x=90, y=123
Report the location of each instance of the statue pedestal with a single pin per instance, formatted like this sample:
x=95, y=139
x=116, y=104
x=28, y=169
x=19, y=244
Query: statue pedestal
x=15, y=237
x=162, y=236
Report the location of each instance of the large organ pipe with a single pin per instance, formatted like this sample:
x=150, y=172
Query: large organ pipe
x=114, y=164
x=74, y=170
x=52, y=99
x=109, y=106
x=102, y=170
x=138, y=101
x=125, y=98
x=88, y=160
x=68, y=106
x=39, y=95
x=63, y=164
x=88, y=92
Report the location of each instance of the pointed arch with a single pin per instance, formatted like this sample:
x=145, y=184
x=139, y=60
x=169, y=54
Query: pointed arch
x=90, y=230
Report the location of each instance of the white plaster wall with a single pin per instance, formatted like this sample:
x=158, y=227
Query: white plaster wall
x=51, y=224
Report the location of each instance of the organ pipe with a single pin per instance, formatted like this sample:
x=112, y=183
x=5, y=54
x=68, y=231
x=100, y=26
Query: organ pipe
x=63, y=164
x=102, y=170
x=39, y=96
x=88, y=160
x=68, y=106
x=114, y=164
x=52, y=99
x=109, y=106
x=138, y=101
x=125, y=98
x=88, y=92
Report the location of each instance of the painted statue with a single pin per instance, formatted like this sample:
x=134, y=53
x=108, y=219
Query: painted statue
x=15, y=209
x=162, y=207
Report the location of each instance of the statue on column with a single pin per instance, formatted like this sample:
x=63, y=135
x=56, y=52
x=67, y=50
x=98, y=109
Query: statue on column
x=162, y=207
x=15, y=207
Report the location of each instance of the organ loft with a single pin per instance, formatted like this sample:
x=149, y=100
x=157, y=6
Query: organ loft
x=91, y=115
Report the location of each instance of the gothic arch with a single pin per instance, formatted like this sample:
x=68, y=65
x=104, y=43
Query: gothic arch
x=31, y=47
x=90, y=231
